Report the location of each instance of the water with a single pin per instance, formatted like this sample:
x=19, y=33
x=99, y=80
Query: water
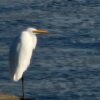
x=66, y=63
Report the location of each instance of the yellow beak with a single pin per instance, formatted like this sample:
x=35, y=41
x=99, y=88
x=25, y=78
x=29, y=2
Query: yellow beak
x=40, y=31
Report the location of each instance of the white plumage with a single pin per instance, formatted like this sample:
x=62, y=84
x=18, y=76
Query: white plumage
x=21, y=52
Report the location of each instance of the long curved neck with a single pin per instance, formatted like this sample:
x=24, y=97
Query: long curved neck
x=29, y=39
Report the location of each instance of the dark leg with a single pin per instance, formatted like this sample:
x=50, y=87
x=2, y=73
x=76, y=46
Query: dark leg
x=23, y=88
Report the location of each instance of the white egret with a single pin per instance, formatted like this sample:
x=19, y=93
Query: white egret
x=21, y=52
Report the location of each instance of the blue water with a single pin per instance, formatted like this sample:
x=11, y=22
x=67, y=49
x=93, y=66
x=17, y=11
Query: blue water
x=66, y=63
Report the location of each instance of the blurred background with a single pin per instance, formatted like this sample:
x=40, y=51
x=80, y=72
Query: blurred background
x=66, y=63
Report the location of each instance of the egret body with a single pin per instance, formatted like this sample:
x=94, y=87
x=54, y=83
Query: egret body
x=21, y=52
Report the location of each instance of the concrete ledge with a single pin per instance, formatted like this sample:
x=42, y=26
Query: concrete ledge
x=12, y=97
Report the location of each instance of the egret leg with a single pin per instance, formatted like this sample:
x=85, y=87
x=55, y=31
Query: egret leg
x=23, y=87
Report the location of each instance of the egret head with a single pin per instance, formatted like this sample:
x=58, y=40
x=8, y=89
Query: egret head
x=36, y=31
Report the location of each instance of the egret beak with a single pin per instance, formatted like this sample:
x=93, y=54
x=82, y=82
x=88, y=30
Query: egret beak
x=41, y=31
